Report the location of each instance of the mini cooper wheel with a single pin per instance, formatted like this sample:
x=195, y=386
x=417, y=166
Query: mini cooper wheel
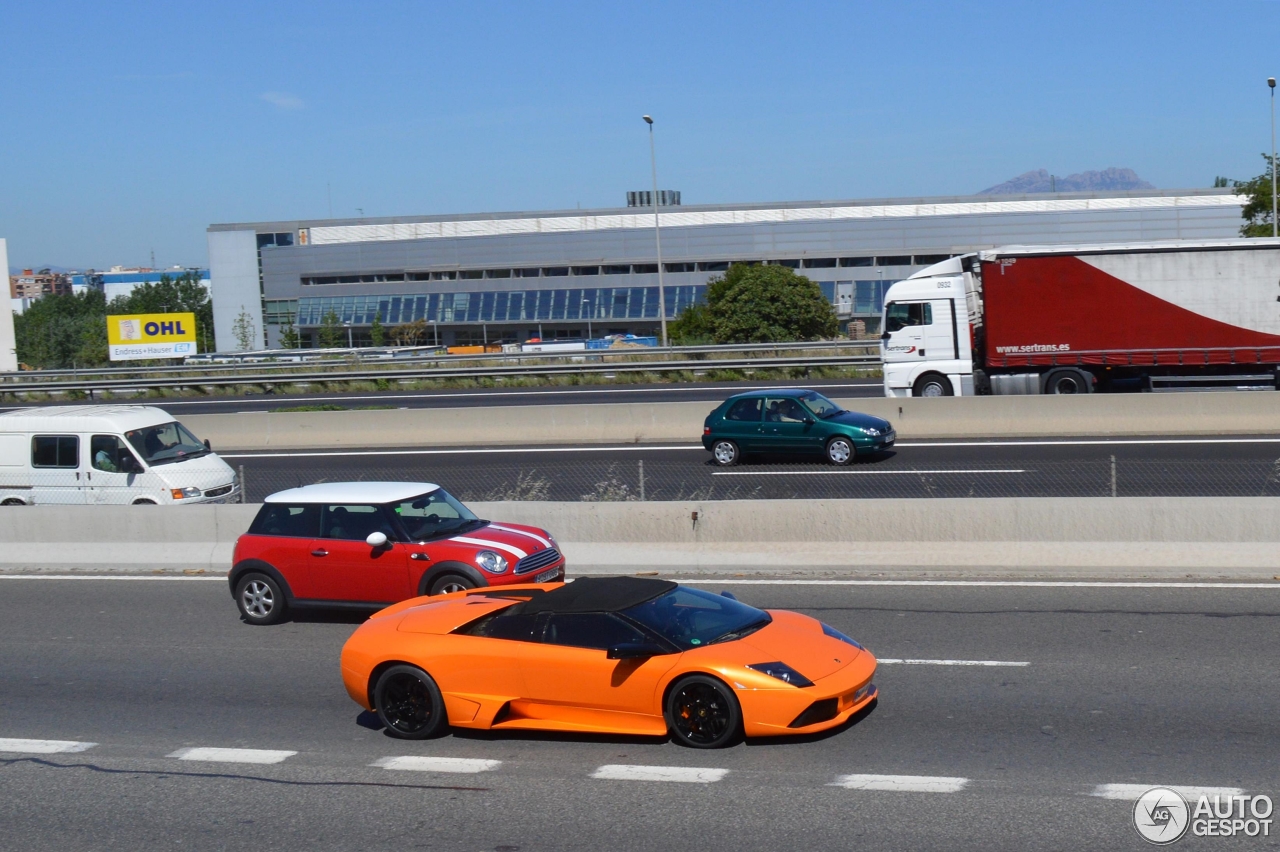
x=702, y=713
x=725, y=453
x=260, y=599
x=409, y=703
x=448, y=583
x=840, y=450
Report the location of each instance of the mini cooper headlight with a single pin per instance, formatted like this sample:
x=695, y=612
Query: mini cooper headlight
x=836, y=634
x=491, y=562
x=782, y=672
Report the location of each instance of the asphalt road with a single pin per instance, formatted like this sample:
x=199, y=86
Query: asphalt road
x=1137, y=686
x=713, y=392
x=1078, y=467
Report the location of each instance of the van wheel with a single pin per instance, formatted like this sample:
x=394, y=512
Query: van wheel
x=932, y=385
x=12, y=501
x=144, y=502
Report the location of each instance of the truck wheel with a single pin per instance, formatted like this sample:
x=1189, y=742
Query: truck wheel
x=932, y=384
x=1067, y=382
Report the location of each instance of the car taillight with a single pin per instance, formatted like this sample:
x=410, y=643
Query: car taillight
x=706, y=430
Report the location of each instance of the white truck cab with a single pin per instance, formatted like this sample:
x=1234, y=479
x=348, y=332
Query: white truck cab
x=926, y=341
x=69, y=454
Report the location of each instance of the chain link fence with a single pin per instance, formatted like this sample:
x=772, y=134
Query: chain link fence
x=690, y=477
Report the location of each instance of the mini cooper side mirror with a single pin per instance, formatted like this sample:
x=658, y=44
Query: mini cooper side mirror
x=634, y=650
x=376, y=539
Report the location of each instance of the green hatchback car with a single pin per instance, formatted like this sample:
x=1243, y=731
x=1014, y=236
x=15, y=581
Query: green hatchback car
x=791, y=420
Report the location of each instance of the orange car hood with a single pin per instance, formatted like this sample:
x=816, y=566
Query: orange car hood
x=798, y=641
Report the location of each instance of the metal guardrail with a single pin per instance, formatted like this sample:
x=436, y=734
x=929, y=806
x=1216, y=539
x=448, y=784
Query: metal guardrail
x=579, y=364
x=340, y=360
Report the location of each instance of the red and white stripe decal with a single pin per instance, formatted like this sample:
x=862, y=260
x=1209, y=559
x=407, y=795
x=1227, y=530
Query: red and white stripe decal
x=545, y=543
x=517, y=552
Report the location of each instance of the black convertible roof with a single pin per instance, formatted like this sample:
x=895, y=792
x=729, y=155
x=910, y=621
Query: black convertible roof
x=598, y=594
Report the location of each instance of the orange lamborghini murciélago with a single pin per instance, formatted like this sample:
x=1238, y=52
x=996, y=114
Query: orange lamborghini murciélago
x=623, y=655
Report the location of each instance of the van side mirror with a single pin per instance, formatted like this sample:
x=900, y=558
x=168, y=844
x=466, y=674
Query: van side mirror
x=207, y=445
x=376, y=539
x=634, y=651
x=128, y=464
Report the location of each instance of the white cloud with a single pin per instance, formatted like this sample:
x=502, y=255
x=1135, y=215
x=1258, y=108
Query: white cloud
x=284, y=100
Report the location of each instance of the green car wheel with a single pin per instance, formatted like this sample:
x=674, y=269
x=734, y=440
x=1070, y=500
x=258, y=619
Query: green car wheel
x=725, y=453
x=840, y=450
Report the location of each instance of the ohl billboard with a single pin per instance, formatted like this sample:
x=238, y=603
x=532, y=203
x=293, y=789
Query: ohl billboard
x=140, y=336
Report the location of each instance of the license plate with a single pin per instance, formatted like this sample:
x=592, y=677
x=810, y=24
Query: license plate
x=547, y=576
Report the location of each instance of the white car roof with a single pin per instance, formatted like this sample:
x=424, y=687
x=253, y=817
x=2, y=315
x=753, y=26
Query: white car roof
x=353, y=492
x=105, y=418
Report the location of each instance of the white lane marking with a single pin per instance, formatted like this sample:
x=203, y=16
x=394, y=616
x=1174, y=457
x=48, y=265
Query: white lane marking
x=43, y=746
x=847, y=472
x=681, y=774
x=1130, y=792
x=463, y=451
x=232, y=755
x=901, y=783
x=484, y=542
x=1071, y=442
x=526, y=533
x=437, y=764
x=1050, y=584
x=573, y=392
x=889, y=661
x=219, y=577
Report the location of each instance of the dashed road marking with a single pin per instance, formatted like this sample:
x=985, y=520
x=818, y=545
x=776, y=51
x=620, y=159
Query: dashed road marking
x=43, y=746
x=232, y=755
x=890, y=661
x=222, y=578
x=849, y=472
x=683, y=774
x=1131, y=792
x=1046, y=584
x=901, y=783
x=437, y=764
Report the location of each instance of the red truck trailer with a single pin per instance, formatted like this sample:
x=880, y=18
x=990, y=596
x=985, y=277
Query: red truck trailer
x=1079, y=319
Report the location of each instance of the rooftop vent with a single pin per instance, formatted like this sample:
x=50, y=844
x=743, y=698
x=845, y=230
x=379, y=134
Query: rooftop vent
x=644, y=198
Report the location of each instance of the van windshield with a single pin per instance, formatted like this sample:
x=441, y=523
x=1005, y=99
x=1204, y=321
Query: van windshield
x=166, y=443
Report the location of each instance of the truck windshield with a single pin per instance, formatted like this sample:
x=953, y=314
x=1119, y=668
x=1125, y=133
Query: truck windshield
x=434, y=515
x=166, y=443
x=899, y=315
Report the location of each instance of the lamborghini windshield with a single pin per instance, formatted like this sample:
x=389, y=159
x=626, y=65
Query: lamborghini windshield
x=691, y=617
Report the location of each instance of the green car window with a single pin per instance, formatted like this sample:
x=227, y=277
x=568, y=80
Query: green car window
x=745, y=410
x=820, y=405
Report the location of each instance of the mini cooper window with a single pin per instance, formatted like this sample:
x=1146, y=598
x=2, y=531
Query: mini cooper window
x=293, y=521
x=354, y=523
x=589, y=630
x=745, y=410
x=433, y=515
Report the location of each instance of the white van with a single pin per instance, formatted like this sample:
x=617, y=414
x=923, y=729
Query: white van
x=107, y=454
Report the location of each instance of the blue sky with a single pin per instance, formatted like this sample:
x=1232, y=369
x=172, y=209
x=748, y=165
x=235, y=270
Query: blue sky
x=131, y=127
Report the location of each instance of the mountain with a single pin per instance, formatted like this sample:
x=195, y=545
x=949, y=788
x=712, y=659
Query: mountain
x=1041, y=181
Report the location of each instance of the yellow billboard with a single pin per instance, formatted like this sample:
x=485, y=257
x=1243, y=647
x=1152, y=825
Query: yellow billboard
x=137, y=336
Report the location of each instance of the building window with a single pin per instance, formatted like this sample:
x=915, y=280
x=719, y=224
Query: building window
x=679, y=267
x=857, y=261
x=930, y=259
x=450, y=275
x=895, y=260
x=497, y=273
x=644, y=268
x=586, y=270
x=790, y=264
x=555, y=271
x=713, y=266
x=418, y=276
x=618, y=269
x=471, y=274
x=533, y=272
x=819, y=262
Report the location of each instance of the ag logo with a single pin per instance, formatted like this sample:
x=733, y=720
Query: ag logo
x=1161, y=816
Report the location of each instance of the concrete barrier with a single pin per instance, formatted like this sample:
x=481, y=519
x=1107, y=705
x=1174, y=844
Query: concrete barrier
x=1023, y=538
x=617, y=423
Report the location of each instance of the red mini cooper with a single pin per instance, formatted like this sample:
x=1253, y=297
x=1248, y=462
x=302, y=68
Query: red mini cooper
x=370, y=544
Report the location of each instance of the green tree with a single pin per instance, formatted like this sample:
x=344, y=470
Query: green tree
x=762, y=304
x=243, y=330
x=173, y=294
x=289, y=338
x=692, y=327
x=57, y=332
x=378, y=332
x=1257, y=206
x=331, y=330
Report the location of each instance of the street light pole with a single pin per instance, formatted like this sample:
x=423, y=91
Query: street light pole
x=350, y=345
x=1275, y=226
x=587, y=302
x=657, y=231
